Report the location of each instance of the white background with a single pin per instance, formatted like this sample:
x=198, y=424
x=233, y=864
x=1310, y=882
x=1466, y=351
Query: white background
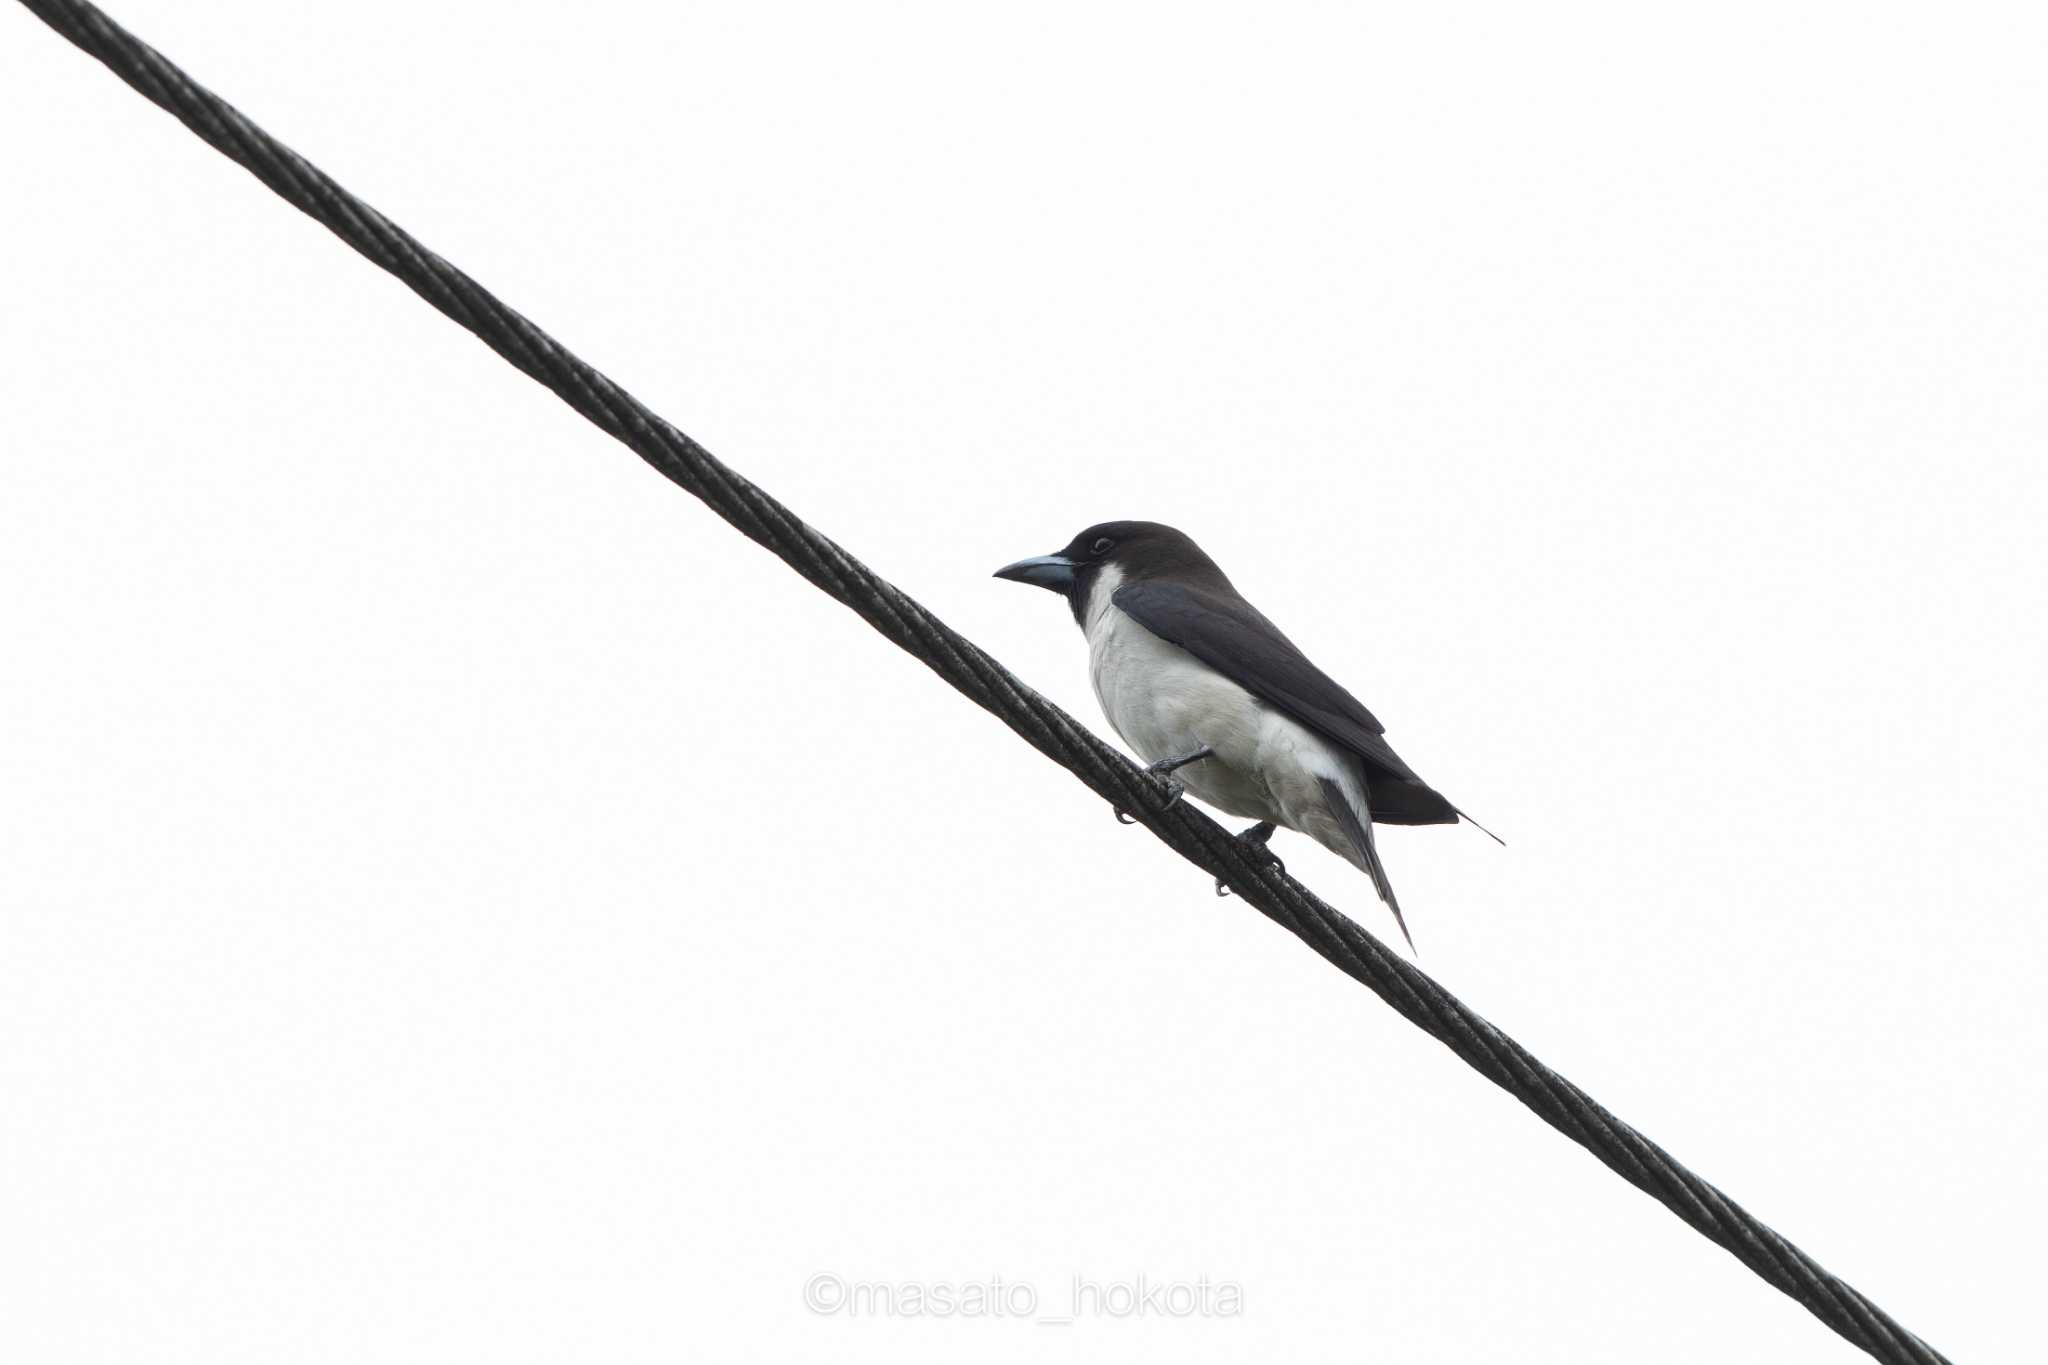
x=462, y=902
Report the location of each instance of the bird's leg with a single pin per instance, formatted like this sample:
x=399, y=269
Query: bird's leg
x=1174, y=786
x=1257, y=836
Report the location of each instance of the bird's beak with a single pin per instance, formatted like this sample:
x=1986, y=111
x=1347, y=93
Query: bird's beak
x=1055, y=572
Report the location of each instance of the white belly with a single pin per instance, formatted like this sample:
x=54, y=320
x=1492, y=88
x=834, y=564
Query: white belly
x=1166, y=703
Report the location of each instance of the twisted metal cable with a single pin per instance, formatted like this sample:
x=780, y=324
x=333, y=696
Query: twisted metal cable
x=1411, y=992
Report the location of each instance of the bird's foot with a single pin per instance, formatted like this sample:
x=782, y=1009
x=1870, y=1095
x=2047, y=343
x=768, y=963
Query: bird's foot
x=1255, y=841
x=1175, y=788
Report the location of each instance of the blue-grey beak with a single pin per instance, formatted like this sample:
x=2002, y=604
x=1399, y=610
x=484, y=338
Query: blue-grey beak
x=1055, y=572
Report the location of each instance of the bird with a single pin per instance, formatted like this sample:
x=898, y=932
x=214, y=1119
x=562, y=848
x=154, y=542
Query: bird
x=1222, y=705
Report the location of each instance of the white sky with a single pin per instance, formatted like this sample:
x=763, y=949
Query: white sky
x=463, y=902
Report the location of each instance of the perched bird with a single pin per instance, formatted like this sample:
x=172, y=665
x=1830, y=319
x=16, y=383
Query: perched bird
x=1203, y=686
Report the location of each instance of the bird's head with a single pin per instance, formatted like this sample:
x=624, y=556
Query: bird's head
x=1133, y=549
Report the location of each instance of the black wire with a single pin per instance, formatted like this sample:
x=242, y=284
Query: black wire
x=1412, y=992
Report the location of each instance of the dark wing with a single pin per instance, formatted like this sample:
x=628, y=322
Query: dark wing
x=1231, y=636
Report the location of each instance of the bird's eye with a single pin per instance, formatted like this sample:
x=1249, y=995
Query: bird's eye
x=1102, y=546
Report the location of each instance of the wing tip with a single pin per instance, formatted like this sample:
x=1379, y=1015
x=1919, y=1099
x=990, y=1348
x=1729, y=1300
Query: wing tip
x=1481, y=828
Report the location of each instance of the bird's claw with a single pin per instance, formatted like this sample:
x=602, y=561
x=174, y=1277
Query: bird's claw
x=1254, y=840
x=1175, y=788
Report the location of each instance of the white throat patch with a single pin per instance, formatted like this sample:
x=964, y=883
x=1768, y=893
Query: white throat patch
x=1107, y=580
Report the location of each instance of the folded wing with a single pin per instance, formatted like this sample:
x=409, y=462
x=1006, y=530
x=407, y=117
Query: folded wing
x=1233, y=637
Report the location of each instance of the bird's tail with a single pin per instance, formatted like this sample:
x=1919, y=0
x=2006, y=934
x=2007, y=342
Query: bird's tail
x=1359, y=832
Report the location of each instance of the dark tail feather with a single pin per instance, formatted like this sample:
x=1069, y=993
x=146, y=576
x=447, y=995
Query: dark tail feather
x=1359, y=832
